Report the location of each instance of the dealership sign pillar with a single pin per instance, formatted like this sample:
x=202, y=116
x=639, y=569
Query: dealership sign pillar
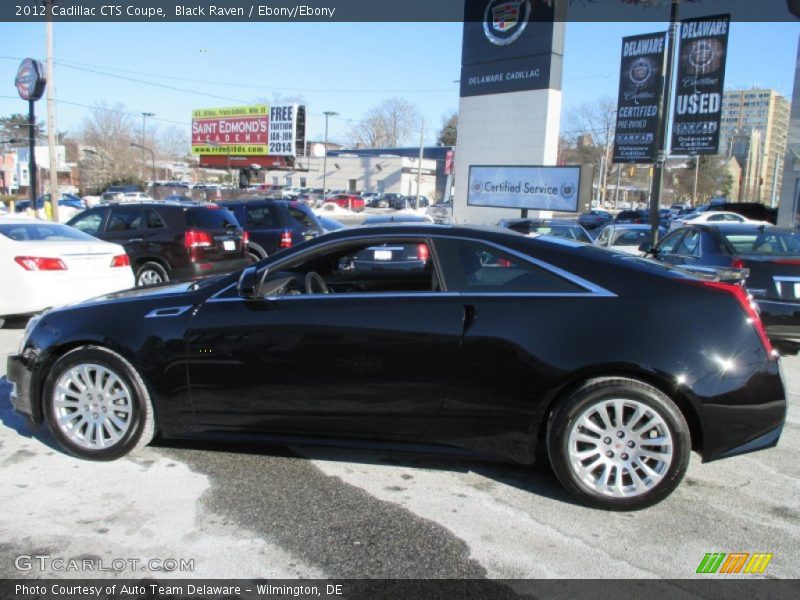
x=510, y=104
x=30, y=82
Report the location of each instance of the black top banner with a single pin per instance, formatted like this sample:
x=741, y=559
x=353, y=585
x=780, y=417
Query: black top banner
x=699, y=85
x=641, y=84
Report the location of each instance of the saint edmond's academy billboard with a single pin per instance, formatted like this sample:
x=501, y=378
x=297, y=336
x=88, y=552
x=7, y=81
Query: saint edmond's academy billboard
x=507, y=46
x=259, y=130
x=699, y=86
x=640, y=88
x=524, y=187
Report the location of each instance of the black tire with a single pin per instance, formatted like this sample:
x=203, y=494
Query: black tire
x=151, y=273
x=586, y=400
x=255, y=256
x=141, y=427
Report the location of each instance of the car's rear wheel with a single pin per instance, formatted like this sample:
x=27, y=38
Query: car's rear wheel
x=96, y=404
x=151, y=273
x=618, y=444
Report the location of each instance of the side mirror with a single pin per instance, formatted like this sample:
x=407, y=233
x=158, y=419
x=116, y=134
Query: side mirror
x=646, y=248
x=248, y=283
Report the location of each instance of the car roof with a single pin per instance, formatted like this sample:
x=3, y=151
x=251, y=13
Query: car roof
x=738, y=227
x=557, y=221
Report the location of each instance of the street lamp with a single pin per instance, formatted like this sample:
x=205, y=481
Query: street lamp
x=144, y=121
x=327, y=113
x=152, y=155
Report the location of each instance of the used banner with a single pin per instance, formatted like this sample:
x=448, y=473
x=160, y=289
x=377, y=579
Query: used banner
x=640, y=88
x=699, y=86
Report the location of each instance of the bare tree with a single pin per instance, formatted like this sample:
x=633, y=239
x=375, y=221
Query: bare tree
x=173, y=143
x=389, y=124
x=109, y=131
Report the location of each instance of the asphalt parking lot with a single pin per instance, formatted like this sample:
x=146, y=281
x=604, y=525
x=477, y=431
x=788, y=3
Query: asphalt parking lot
x=243, y=511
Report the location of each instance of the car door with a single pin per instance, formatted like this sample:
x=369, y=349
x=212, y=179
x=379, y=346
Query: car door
x=124, y=226
x=341, y=364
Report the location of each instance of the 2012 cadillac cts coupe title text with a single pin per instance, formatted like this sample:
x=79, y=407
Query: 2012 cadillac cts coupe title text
x=481, y=340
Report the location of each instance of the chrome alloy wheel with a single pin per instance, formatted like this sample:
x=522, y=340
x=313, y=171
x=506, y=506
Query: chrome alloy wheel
x=149, y=277
x=620, y=448
x=93, y=406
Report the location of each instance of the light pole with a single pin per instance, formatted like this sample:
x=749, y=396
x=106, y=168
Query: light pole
x=142, y=146
x=328, y=113
x=152, y=155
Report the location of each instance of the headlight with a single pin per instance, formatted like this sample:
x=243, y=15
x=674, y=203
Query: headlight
x=34, y=320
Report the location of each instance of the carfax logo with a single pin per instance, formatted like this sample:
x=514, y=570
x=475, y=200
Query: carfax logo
x=505, y=20
x=735, y=562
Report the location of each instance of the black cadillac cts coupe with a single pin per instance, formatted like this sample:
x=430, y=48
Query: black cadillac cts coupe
x=612, y=366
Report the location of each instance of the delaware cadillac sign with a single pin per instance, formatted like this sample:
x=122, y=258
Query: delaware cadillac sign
x=700, y=84
x=507, y=46
x=30, y=80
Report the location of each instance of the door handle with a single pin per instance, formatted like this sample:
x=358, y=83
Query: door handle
x=470, y=316
x=136, y=240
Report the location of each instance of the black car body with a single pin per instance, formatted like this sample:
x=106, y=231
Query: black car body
x=169, y=241
x=563, y=228
x=500, y=344
x=751, y=210
x=274, y=225
x=770, y=254
x=594, y=219
x=635, y=217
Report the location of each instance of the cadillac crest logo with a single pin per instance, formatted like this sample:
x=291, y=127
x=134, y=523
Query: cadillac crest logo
x=505, y=20
x=641, y=71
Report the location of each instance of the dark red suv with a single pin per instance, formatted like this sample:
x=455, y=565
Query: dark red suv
x=169, y=241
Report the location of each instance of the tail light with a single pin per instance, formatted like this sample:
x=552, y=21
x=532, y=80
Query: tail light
x=787, y=261
x=197, y=239
x=121, y=260
x=286, y=239
x=39, y=263
x=748, y=306
x=245, y=238
x=737, y=263
x=423, y=253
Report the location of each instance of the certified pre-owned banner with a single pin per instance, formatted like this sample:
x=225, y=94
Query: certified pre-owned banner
x=640, y=89
x=699, y=87
x=537, y=188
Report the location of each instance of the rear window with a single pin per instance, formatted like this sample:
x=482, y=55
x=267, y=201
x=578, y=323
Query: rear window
x=51, y=232
x=262, y=216
x=210, y=218
x=770, y=243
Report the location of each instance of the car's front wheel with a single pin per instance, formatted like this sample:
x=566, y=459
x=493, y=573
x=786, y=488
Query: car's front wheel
x=618, y=444
x=96, y=405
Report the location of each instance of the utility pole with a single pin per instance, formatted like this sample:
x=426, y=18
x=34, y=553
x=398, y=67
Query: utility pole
x=327, y=113
x=144, y=158
x=55, y=196
x=419, y=166
x=774, y=197
x=616, y=189
x=696, y=173
x=663, y=114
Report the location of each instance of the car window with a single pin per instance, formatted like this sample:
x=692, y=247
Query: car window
x=669, y=244
x=631, y=238
x=51, y=232
x=766, y=242
x=602, y=239
x=89, y=222
x=153, y=220
x=124, y=219
x=210, y=217
x=262, y=216
x=690, y=245
x=475, y=267
x=302, y=217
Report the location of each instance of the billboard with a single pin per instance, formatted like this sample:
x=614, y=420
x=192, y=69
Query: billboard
x=507, y=46
x=699, y=86
x=524, y=187
x=641, y=86
x=259, y=130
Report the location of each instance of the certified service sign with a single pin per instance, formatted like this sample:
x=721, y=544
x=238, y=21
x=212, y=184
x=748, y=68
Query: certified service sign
x=30, y=80
x=536, y=188
x=505, y=20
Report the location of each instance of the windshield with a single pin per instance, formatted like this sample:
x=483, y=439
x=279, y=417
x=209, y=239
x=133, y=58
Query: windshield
x=770, y=243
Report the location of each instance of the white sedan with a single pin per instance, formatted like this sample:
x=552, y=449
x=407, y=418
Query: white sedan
x=46, y=264
x=625, y=237
x=711, y=216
